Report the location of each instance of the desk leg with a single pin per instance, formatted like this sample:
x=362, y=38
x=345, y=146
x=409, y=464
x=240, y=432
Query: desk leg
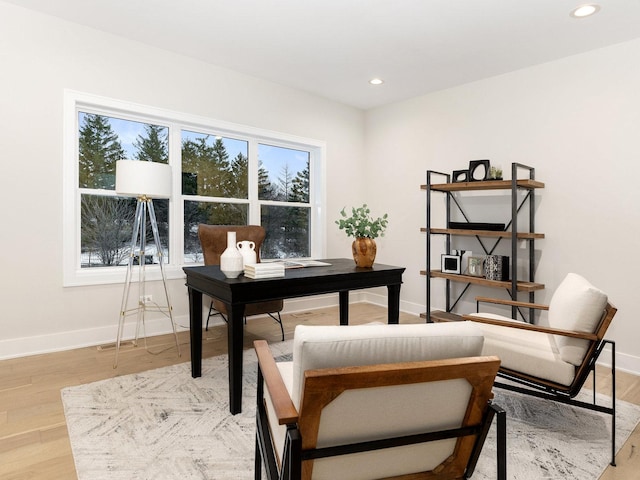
x=235, y=327
x=393, y=303
x=344, y=307
x=195, y=329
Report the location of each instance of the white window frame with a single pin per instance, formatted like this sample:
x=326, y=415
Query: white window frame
x=74, y=275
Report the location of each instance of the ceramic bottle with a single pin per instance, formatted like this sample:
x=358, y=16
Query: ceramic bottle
x=247, y=249
x=231, y=259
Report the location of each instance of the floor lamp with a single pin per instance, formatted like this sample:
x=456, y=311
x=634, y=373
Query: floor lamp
x=145, y=181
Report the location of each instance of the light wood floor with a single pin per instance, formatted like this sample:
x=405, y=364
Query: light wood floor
x=34, y=442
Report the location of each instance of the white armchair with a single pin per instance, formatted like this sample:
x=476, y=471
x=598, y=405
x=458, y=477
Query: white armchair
x=376, y=401
x=553, y=362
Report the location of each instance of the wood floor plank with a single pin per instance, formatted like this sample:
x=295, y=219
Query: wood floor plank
x=39, y=461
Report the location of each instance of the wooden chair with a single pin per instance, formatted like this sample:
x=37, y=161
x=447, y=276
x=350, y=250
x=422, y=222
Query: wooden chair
x=554, y=362
x=377, y=401
x=213, y=240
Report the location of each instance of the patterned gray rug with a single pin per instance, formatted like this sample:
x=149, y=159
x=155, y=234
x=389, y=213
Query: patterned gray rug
x=163, y=424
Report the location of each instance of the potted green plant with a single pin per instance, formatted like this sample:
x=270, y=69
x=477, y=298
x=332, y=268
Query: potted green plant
x=364, y=228
x=495, y=173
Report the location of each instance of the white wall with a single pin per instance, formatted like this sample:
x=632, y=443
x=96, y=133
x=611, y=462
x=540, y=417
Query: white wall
x=40, y=56
x=577, y=121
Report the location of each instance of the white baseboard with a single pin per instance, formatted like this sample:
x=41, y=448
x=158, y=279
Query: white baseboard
x=69, y=340
x=624, y=362
x=57, y=342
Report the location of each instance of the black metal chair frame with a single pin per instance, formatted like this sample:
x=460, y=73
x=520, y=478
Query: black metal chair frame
x=549, y=393
x=213, y=312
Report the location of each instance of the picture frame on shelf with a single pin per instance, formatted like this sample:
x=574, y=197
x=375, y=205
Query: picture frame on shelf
x=475, y=266
x=460, y=176
x=451, y=263
x=478, y=170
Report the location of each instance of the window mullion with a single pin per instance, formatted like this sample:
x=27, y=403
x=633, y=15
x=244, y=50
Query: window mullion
x=176, y=203
x=254, y=203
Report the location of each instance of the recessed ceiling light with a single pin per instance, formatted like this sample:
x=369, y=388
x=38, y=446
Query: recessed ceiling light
x=585, y=10
x=376, y=81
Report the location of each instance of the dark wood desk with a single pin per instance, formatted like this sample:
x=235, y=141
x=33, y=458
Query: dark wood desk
x=342, y=276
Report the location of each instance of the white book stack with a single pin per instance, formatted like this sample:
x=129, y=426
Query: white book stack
x=264, y=270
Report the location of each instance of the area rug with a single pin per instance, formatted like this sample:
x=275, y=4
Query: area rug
x=163, y=424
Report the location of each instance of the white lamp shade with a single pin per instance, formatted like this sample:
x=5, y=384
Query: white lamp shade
x=137, y=178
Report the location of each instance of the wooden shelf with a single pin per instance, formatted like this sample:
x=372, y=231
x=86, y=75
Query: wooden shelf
x=442, y=316
x=484, y=185
x=484, y=233
x=521, y=286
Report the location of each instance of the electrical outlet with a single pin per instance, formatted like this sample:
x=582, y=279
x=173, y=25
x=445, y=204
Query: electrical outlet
x=144, y=299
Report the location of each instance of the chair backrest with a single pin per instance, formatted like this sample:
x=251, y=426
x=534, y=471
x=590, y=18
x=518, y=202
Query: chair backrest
x=213, y=239
x=578, y=306
x=380, y=381
x=333, y=346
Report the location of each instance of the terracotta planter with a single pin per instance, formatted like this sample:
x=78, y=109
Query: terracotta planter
x=364, y=251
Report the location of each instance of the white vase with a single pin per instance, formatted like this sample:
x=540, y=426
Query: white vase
x=247, y=249
x=231, y=258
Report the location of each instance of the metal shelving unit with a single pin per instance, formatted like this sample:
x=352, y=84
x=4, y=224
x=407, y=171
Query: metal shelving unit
x=514, y=232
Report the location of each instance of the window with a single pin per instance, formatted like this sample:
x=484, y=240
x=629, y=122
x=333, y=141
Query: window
x=215, y=185
x=283, y=188
x=223, y=174
x=106, y=221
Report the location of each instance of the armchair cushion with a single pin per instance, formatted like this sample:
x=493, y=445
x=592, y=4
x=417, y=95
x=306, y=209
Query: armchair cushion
x=576, y=305
x=316, y=347
x=278, y=432
x=532, y=353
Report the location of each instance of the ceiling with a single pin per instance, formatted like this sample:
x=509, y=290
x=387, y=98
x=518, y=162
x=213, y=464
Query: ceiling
x=332, y=48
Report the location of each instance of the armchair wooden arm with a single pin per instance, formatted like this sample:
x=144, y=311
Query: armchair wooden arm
x=535, y=328
x=499, y=301
x=282, y=404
